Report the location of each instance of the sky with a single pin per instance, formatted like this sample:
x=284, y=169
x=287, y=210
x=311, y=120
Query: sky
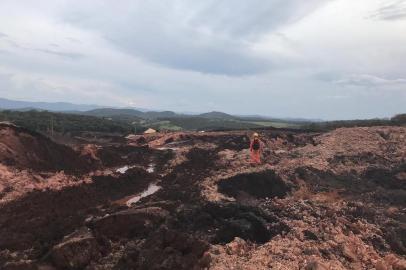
x=319, y=59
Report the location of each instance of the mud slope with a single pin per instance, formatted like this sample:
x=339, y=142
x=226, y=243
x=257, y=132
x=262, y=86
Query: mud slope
x=26, y=149
x=335, y=200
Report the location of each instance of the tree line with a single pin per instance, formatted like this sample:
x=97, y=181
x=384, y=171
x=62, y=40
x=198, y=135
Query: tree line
x=49, y=122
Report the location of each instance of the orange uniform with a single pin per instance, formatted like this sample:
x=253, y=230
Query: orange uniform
x=255, y=149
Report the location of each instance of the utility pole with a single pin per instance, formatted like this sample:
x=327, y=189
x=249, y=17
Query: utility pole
x=52, y=126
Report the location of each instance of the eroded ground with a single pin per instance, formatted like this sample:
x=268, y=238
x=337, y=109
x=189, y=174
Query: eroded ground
x=193, y=201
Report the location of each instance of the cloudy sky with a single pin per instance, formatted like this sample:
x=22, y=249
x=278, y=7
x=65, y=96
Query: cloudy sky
x=328, y=59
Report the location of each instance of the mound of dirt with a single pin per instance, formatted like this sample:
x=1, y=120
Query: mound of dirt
x=26, y=149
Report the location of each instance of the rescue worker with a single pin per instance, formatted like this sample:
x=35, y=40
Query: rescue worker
x=255, y=149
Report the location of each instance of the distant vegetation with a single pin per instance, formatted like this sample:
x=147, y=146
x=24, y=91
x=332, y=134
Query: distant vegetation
x=44, y=121
x=200, y=123
x=398, y=120
x=128, y=113
x=168, y=120
x=126, y=121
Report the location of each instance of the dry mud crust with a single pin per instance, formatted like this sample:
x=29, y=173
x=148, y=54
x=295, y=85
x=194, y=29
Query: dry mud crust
x=22, y=148
x=39, y=219
x=263, y=185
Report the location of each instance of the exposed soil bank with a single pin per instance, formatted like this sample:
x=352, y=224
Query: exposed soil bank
x=26, y=149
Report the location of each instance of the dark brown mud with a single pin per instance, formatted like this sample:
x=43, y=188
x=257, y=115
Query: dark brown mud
x=259, y=185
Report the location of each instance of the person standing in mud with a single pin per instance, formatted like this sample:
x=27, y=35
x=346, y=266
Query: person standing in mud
x=255, y=149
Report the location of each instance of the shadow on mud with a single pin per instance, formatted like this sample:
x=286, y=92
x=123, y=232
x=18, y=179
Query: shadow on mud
x=222, y=222
x=261, y=185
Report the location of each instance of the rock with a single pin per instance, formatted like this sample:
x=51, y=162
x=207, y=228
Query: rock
x=76, y=250
x=205, y=260
x=356, y=266
x=349, y=253
x=381, y=265
x=237, y=247
x=311, y=251
x=20, y=265
x=316, y=265
x=129, y=223
x=399, y=265
x=46, y=267
x=167, y=249
x=394, y=262
x=310, y=235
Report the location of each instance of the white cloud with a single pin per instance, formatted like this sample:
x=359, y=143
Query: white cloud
x=282, y=58
x=370, y=80
x=390, y=10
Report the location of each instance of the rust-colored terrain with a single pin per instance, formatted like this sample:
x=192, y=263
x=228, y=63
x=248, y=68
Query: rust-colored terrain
x=191, y=200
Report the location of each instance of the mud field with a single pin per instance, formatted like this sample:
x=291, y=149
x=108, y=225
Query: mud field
x=335, y=200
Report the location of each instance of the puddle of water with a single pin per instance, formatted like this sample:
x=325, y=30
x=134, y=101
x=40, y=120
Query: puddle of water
x=149, y=191
x=174, y=146
x=151, y=168
x=168, y=148
x=122, y=170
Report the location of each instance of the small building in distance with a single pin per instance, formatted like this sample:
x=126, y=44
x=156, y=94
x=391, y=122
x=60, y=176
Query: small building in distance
x=150, y=131
x=131, y=137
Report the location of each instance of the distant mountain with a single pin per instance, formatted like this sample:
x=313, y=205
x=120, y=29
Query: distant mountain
x=217, y=115
x=7, y=104
x=110, y=112
x=164, y=114
x=133, y=114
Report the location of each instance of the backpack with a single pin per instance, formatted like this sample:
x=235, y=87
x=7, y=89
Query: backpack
x=256, y=145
